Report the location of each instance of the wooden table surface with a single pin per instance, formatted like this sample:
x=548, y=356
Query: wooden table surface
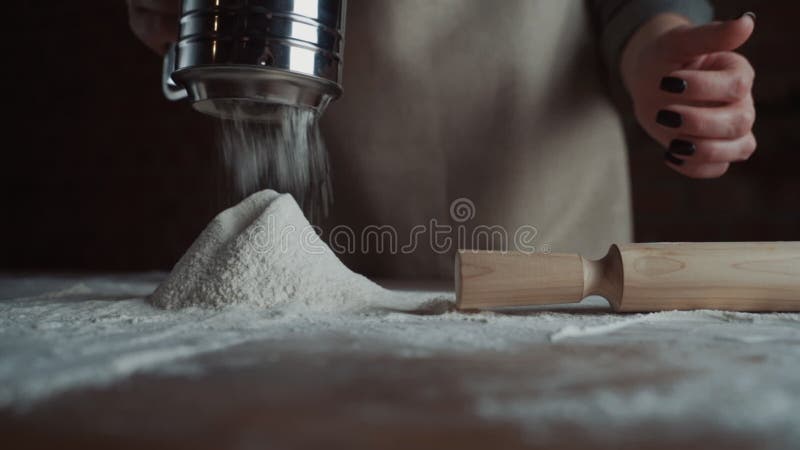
x=336, y=400
x=337, y=391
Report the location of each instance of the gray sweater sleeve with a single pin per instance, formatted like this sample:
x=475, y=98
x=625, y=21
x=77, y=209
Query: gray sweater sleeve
x=616, y=20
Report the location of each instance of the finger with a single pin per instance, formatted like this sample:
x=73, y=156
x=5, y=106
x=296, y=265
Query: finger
x=727, y=122
x=713, y=150
x=687, y=42
x=156, y=30
x=162, y=6
x=725, y=61
x=697, y=170
x=731, y=84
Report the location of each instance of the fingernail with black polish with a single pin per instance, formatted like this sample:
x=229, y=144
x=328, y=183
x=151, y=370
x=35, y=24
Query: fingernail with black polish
x=669, y=118
x=673, y=84
x=672, y=158
x=749, y=13
x=681, y=147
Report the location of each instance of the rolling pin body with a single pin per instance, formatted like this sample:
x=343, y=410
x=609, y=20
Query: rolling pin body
x=737, y=276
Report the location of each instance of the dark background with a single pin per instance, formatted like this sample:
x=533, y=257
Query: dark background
x=100, y=172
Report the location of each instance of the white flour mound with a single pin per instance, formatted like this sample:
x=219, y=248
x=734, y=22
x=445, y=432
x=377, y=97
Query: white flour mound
x=264, y=253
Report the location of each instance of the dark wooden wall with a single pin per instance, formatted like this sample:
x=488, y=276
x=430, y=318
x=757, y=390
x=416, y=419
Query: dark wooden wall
x=104, y=173
x=100, y=172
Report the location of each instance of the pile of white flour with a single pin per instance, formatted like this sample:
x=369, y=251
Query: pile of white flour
x=264, y=253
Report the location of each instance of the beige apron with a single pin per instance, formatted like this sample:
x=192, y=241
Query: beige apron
x=499, y=103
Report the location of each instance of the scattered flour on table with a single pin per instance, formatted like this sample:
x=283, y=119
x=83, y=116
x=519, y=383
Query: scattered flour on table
x=69, y=332
x=259, y=273
x=264, y=253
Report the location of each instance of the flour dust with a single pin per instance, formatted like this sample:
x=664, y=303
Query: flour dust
x=282, y=150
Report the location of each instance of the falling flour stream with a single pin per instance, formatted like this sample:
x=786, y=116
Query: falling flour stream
x=280, y=149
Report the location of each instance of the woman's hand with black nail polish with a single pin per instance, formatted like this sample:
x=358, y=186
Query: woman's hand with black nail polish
x=674, y=85
x=689, y=86
x=155, y=22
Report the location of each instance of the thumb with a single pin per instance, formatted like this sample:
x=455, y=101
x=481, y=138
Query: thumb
x=688, y=42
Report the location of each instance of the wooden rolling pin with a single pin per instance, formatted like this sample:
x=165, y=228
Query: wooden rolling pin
x=736, y=276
